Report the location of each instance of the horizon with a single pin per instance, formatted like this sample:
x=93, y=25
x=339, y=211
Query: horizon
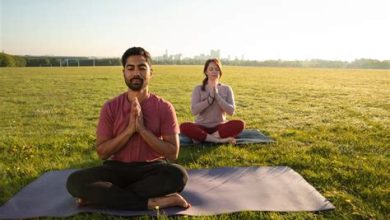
x=194, y=57
x=249, y=30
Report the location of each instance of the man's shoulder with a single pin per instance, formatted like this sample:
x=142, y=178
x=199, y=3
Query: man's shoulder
x=160, y=103
x=159, y=100
x=116, y=100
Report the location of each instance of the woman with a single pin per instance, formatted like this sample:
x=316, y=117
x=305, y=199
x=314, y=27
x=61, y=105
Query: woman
x=210, y=102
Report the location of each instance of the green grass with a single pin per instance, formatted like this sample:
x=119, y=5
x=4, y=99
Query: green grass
x=331, y=126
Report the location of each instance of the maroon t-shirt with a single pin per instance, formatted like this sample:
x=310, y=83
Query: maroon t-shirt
x=159, y=118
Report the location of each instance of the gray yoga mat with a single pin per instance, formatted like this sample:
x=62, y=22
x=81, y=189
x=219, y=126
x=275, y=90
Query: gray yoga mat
x=248, y=136
x=210, y=191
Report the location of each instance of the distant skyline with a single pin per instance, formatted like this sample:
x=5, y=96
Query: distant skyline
x=253, y=29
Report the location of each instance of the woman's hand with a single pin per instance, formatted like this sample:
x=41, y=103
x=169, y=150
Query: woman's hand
x=213, y=88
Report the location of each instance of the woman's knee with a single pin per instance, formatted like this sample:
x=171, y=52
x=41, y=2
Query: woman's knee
x=193, y=131
x=185, y=127
x=231, y=128
x=240, y=124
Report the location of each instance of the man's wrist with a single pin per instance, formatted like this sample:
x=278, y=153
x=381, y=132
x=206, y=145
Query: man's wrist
x=130, y=131
x=142, y=130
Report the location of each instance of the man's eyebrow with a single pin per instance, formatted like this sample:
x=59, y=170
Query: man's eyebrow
x=139, y=65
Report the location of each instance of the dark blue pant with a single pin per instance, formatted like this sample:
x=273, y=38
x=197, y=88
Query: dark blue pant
x=127, y=186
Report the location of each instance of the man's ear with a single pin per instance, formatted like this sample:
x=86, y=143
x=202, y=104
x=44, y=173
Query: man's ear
x=151, y=72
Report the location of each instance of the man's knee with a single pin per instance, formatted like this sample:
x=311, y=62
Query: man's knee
x=74, y=184
x=179, y=176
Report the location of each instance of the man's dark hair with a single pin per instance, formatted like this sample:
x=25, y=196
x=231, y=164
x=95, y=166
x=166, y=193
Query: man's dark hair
x=136, y=51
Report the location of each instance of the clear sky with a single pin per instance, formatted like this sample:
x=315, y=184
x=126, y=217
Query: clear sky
x=255, y=29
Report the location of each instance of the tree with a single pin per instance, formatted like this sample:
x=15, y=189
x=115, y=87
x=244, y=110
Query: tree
x=20, y=61
x=7, y=60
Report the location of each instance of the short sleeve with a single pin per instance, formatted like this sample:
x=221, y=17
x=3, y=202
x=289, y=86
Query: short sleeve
x=169, y=124
x=106, y=122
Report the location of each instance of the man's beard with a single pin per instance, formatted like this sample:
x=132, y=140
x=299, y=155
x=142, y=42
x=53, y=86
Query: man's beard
x=135, y=83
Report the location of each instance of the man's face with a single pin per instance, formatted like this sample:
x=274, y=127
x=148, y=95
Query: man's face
x=137, y=73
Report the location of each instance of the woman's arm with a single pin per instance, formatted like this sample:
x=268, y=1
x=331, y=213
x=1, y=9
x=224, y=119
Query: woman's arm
x=198, y=105
x=227, y=105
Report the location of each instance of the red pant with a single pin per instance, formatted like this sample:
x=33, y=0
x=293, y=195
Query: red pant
x=231, y=128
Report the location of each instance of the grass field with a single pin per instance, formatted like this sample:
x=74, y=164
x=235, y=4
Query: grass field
x=331, y=125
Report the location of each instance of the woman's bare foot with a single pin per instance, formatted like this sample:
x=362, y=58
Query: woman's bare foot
x=168, y=201
x=196, y=141
x=229, y=140
x=214, y=138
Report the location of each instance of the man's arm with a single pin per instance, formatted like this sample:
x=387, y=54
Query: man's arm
x=106, y=146
x=167, y=147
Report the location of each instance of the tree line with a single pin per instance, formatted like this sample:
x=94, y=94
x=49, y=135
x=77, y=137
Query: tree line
x=7, y=60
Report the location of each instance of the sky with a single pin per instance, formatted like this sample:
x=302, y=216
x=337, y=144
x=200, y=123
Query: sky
x=249, y=29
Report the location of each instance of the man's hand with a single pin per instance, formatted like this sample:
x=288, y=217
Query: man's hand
x=107, y=146
x=168, y=147
x=131, y=127
x=140, y=123
x=138, y=116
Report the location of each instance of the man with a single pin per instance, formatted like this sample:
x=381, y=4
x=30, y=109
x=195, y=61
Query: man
x=136, y=132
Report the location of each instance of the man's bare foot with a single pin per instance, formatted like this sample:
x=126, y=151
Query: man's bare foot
x=168, y=201
x=81, y=202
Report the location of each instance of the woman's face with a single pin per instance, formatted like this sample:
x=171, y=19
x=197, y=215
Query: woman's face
x=213, y=72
